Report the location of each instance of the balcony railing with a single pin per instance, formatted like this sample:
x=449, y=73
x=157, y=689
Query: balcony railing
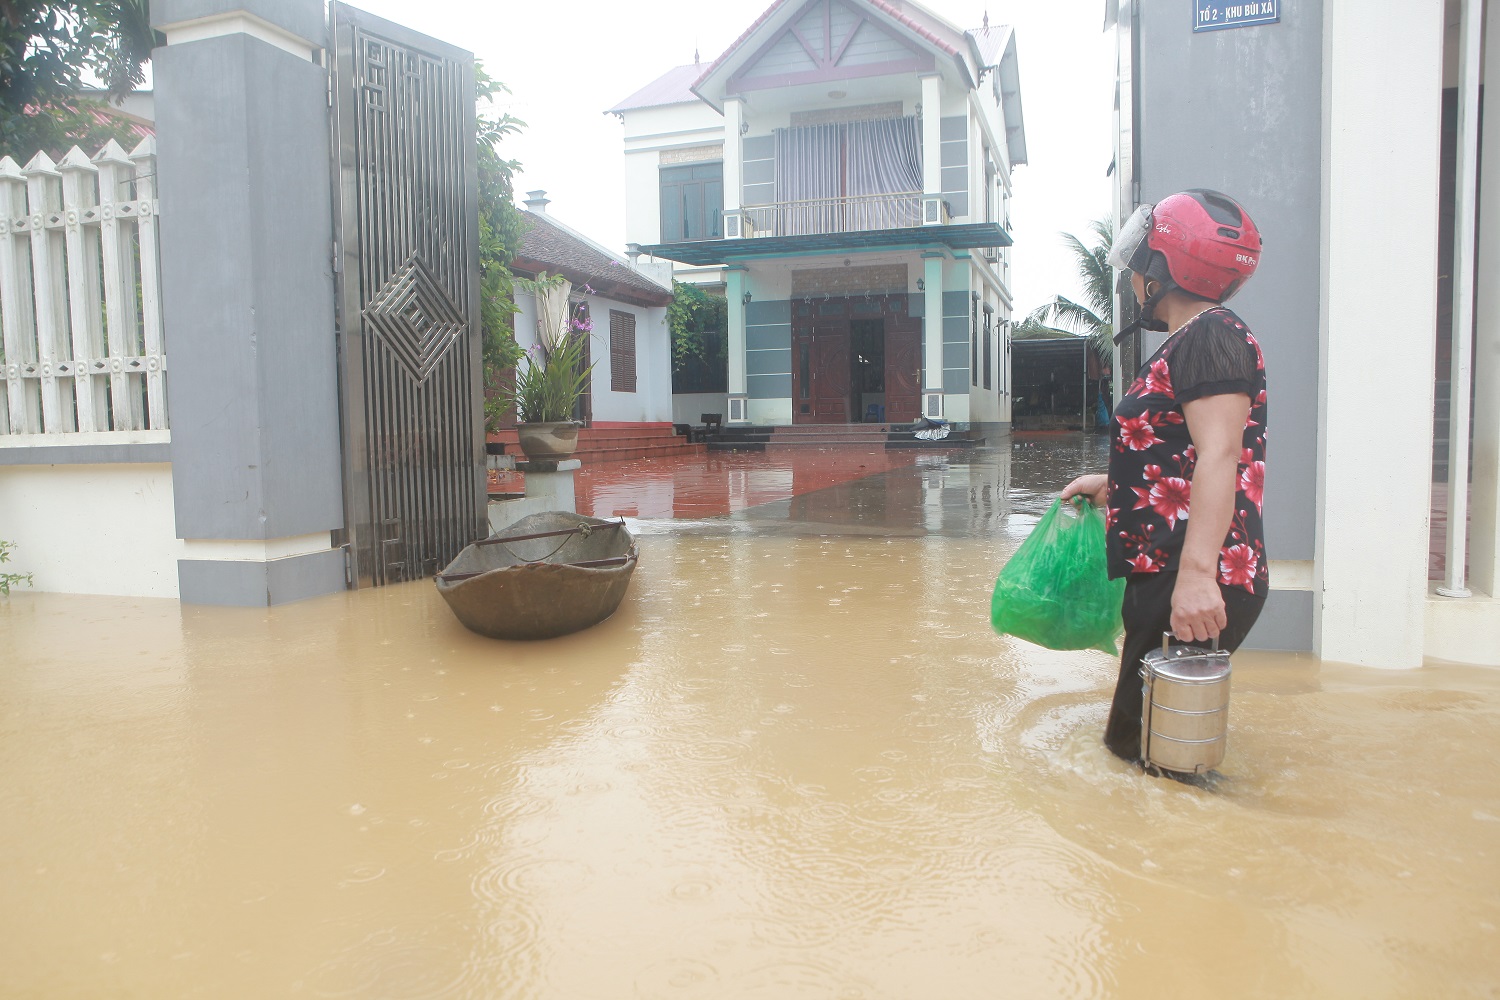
x=850, y=214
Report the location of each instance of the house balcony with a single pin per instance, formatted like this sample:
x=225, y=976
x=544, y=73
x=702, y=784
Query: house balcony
x=891, y=221
x=824, y=216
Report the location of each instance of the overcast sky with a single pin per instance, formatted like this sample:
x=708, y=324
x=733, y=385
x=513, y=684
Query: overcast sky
x=568, y=60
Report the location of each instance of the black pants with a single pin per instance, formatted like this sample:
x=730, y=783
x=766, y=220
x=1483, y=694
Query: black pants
x=1148, y=613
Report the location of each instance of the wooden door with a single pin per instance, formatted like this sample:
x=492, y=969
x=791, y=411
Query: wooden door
x=820, y=370
x=802, y=369
x=830, y=372
x=903, y=369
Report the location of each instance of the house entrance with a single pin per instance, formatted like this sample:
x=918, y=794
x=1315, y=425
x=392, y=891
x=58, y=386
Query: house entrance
x=855, y=360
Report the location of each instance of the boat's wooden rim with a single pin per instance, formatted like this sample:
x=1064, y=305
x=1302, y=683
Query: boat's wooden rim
x=577, y=529
x=584, y=564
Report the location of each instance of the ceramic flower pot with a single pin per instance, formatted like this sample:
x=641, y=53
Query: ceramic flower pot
x=549, y=442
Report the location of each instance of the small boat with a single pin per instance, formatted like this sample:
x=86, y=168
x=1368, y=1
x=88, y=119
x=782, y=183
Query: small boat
x=549, y=575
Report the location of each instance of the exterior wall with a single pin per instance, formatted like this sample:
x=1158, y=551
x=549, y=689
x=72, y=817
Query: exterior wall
x=688, y=407
x=768, y=349
x=649, y=134
x=652, y=400
x=1255, y=92
x=953, y=134
x=643, y=196
x=93, y=529
x=991, y=409
x=956, y=330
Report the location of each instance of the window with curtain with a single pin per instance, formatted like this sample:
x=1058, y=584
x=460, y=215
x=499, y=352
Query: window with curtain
x=621, y=351
x=828, y=177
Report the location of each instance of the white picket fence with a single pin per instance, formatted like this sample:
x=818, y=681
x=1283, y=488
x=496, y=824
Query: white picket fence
x=80, y=300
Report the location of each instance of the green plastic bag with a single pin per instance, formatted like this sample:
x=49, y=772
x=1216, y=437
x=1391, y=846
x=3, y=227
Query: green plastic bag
x=1056, y=590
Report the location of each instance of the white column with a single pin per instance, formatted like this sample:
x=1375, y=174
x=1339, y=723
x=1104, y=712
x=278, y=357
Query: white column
x=932, y=335
x=1380, y=177
x=1461, y=374
x=734, y=290
x=734, y=157
x=1484, y=542
x=932, y=149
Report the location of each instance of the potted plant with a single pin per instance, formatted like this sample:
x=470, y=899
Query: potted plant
x=551, y=376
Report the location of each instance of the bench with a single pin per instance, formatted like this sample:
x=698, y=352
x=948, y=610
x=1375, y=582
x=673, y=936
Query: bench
x=711, y=424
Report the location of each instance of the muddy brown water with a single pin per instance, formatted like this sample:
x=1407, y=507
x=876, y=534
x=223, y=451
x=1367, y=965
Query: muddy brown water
x=797, y=763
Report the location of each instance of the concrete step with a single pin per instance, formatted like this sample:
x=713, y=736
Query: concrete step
x=951, y=441
x=878, y=445
x=632, y=430
x=828, y=437
x=816, y=429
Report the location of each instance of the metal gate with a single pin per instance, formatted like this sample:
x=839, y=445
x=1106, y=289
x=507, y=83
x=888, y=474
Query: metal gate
x=407, y=260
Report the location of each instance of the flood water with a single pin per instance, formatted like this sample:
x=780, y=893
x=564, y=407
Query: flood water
x=796, y=763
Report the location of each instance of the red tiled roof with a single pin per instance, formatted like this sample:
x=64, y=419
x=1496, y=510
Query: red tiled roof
x=548, y=245
x=103, y=114
x=913, y=24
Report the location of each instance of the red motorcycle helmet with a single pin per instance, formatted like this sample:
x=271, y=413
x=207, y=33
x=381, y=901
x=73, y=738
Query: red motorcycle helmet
x=1200, y=241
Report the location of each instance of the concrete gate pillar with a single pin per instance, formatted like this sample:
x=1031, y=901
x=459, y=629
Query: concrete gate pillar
x=247, y=298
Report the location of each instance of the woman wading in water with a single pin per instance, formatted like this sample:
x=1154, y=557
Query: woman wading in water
x=1189, y=437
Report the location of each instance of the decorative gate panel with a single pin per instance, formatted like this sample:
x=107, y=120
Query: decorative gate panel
x=407, y=253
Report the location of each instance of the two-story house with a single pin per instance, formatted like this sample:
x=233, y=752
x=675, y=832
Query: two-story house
x=843, y=172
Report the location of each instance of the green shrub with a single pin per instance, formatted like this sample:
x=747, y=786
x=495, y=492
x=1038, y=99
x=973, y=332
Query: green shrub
x=6, y=579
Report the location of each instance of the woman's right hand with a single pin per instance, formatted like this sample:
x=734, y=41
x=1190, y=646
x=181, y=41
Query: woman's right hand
x=1095, y=487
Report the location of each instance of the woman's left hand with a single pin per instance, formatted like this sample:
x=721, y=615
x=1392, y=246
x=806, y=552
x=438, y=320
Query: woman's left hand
x=1197, y=608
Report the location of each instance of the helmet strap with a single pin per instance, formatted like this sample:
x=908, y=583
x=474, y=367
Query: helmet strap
x=1147, y=319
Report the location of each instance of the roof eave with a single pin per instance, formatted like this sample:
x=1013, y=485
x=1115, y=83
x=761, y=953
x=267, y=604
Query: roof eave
x=622, y=111
x=711, y=88
x=718, y=252
x=1010, y=95
x=603, y=286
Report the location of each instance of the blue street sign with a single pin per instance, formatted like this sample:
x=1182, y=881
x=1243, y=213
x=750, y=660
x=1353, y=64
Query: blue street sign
x=1213, y=15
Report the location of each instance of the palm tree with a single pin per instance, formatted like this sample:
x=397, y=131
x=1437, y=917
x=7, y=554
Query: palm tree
x=1090, y=317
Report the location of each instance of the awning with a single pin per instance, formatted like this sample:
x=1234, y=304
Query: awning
x=709, y=252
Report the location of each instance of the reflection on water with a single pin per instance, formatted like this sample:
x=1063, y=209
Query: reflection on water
x=897, y=493
x=792, y=765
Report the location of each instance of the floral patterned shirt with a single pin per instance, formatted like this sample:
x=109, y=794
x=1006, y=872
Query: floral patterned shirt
x=1152, y=459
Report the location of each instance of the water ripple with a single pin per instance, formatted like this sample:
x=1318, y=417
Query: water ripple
x=385, y=964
